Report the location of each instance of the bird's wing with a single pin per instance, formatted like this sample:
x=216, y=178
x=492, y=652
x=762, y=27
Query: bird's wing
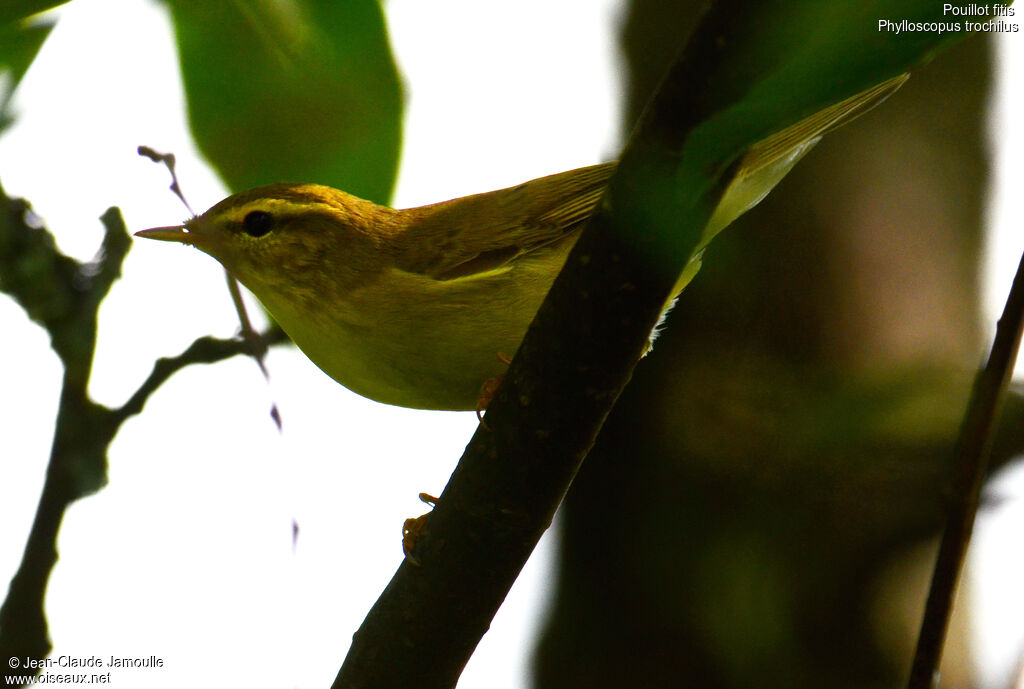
x=780, y=145
x=483, y=232
x=769, y=160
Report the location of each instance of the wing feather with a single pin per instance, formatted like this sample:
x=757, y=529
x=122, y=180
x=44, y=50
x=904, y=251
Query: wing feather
x=485, y=232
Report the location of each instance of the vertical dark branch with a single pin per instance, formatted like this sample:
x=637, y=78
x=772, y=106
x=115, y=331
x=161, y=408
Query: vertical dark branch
x=64, y=296
x=23, y=629
x=973, y=450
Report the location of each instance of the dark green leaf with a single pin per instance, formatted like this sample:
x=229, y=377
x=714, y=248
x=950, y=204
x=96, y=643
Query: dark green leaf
x=771, y=64
x=19, y=45
x=292, y=91
x=15, y=10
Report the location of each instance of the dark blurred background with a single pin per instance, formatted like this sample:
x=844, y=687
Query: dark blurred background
x=769, y=477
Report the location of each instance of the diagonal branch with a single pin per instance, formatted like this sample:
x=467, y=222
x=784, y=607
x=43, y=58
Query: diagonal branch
x=204, y=350
x=731, y=88
x=974, y=448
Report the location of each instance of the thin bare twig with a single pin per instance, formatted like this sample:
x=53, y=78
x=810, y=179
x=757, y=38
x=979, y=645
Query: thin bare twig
x=168, y=160
x=257, y=347
x=973, y=450
x=204, y=350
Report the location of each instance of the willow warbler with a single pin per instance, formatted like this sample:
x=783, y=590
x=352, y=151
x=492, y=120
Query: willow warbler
x=414, y=307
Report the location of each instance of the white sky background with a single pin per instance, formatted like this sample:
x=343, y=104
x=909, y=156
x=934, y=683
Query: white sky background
x=187, y=554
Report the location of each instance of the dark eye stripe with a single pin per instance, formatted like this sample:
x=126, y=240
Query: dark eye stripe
x=258, y=223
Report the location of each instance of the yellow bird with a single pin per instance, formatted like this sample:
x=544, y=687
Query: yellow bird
x=413, y=307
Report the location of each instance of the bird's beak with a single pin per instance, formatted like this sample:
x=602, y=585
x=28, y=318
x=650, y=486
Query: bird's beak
x=174, y=233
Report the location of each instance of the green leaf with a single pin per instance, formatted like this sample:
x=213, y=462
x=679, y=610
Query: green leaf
x=811, y=54
x=15, y=10
x=292, y=90
x=19, y=45
x=767, y=66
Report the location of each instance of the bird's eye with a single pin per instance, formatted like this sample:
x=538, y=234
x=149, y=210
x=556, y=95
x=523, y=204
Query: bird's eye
x=258, y=223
